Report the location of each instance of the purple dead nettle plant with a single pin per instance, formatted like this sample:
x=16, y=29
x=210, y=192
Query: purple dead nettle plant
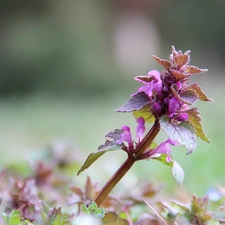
x=164, y=99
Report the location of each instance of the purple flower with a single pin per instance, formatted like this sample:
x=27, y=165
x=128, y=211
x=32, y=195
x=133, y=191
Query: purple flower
x=156, y=108
x=182, y=117
x=179, y=85
x=163, y=148
x=153, y=83
x=140, y=129
x=177, y=110
x=126, y=135
x=174, y=106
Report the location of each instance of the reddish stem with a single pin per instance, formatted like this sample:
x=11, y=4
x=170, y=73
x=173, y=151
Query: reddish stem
x=118, y=175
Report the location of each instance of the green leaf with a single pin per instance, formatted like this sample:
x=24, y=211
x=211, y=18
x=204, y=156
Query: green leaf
x=176, y=170
x=92, y=158
x=199, y=209
x=136, y=102
x=177, y=173
x=111, y=144
x=145, y=113
x=195, y=120
x=52, y=216
x=112, y=218
x=56, y=217
x=93, y=210
x=183, y=133
x=162, y=159
x=44, y=210
x=14, y=218
x=182, y=206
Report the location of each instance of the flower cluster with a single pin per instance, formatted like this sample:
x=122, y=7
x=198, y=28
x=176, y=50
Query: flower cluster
x=167, y=98
x=129, y=145
x=168, y=91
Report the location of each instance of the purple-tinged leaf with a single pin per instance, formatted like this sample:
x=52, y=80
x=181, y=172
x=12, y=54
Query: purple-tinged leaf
x=197, y=89
x=136, y=102
x=177, y=173
x=113, y=141
x=113, y=136
x=194, y=70
x=112, y=218
x=183, y=133
x=181, y=60
x=195, y=120
x=90, y=189
x=76, y=197
x=144, y=79
x=164, y=63
x=56, y=217
x=188, y=96
x=178, y=75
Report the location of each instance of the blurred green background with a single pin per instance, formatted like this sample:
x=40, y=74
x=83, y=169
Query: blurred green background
x=65, y=66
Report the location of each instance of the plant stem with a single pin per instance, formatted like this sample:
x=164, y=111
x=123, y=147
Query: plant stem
x=118, y=175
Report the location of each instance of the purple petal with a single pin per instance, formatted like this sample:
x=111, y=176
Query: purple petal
x=154, y=85
x=157, y=86
x=182, y=117
x=168, y=158
x=140, y=128
x=164, y=148
x=155, y=74
x=179, y=85
x=156, y=108
x=173, y=143
x=174, y=106
x=126, y=128
x=127, y=137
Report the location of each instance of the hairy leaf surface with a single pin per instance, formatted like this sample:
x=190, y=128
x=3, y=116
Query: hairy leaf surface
x=195, y=119
x=183, y=133
x=136, y=102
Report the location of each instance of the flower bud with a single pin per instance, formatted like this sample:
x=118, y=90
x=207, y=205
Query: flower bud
x=182, y=117
x=156, y=108
x=179, y=85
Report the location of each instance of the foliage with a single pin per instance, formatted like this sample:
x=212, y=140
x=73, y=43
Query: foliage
x=26, y=200
x=167, y=100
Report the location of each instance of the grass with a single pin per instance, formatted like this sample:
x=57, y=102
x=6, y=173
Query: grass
x=29, y=124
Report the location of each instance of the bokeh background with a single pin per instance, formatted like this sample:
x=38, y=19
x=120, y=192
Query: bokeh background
x=65, y=66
